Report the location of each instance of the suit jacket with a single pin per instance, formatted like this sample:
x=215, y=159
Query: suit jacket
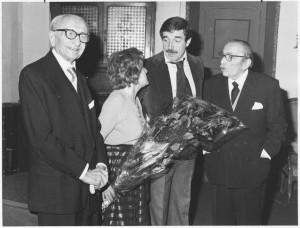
x=64, y=136
x=237, y=163
x=157, y=97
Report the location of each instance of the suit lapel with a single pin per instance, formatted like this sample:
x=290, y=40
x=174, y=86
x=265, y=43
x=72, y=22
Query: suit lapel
x=223, y=94
x=244, y=102
x=163, y=82
x=195, y=72
x=86, y=99
x=64, y=90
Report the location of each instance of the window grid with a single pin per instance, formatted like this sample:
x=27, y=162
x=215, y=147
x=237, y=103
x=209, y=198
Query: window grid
x=89, y=13
x=125, y=28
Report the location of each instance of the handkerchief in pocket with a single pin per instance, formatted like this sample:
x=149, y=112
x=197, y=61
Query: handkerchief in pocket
x=91, y=105
x=257, y=106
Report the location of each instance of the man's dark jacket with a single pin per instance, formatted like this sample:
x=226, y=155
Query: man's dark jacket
x=237, y=163
x=64, y=136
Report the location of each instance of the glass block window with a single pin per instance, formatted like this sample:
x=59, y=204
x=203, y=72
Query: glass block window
x=89, y=13
x=125, y=28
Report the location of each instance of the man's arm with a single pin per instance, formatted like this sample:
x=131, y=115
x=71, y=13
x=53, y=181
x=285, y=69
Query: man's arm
x=41, y=134
x=275, y=120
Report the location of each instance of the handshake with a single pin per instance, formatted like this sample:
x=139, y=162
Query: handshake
x=96, y=178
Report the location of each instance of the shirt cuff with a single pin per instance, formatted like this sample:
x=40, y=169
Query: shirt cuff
x=205, y=152
x=264, y=154
x=84, y=171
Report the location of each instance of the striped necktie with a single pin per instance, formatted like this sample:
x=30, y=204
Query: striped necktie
x=234, y=92
x=72, y=72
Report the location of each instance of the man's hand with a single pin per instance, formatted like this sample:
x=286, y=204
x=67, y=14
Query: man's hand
x=96, y=177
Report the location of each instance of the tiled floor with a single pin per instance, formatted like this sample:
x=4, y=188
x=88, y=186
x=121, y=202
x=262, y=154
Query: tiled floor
x=278, y=211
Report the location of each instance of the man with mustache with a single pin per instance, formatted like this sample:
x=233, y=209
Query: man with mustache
x=172, y=73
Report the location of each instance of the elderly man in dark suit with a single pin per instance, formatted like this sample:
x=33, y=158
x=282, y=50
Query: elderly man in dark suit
x=239, y=168
x=67, y=154
x=172, y=73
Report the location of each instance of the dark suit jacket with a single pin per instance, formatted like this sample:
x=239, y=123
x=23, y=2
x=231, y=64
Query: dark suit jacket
x=64, y=135
x=157, y=97
x=238, y=163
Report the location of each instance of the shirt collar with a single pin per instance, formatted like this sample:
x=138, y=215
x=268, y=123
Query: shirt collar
x=182, y=57
x=241, y=80
x=62, y=62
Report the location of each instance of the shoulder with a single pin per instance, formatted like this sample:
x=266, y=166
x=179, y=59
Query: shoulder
x=38, y=66
x=115, y=99
x=215, y=79
x=154, y=60
x=195, y=59
x=263, y=79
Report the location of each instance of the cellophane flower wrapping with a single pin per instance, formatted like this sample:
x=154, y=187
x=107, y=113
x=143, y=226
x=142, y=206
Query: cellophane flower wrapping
x=191, y=123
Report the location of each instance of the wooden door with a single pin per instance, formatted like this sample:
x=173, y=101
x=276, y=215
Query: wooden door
x=219, y=22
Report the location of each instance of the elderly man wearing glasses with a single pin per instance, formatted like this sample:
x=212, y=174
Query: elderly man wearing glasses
x=238, y=170
x=66, y=151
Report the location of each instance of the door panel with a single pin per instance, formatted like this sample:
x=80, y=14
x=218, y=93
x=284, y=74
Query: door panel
x=220, y=22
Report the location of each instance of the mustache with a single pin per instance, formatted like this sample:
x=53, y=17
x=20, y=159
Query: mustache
x=171, y=51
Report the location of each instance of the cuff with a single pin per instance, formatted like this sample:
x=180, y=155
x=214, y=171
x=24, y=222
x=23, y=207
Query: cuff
x=264, y=154
x=84, y=171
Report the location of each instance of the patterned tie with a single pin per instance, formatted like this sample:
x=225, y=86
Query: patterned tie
x=183, y=85
x=234, y=92
x=72, y=72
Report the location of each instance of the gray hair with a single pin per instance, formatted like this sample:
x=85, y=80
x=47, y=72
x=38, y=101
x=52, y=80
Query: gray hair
x=247, y=49
x=58, y=19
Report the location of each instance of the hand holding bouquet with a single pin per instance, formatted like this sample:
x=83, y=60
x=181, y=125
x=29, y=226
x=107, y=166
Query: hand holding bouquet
x=192, y=122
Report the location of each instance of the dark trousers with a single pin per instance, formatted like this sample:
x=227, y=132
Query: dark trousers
x=83, y=218
x=237, y=206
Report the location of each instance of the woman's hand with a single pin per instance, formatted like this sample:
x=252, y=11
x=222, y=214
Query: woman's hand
x=108, y=194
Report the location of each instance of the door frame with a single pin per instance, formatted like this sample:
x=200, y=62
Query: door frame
x=269, y=51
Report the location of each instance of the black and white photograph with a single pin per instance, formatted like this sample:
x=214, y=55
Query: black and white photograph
x=149, y=113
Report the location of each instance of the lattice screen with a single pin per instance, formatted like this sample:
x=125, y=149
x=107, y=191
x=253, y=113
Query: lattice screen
x=125, y=28
x=89, y=13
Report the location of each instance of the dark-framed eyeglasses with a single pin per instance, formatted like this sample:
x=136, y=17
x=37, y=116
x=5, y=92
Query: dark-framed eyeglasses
x=229, y=57
x=71, y=35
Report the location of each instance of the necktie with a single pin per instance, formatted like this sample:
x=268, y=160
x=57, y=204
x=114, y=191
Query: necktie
x=183, y=85
x=72, y=72
x=234, y=92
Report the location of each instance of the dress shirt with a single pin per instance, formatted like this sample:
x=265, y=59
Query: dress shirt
x=241, y=80
x=64, y=64
x=173, y=74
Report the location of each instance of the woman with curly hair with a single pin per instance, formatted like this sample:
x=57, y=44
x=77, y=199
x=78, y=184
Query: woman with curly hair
x=122, y=124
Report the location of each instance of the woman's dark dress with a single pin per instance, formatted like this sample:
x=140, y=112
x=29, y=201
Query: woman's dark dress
x=132, y=208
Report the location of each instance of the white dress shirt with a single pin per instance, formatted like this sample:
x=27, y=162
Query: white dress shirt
x=65, y=65
x=173, y=74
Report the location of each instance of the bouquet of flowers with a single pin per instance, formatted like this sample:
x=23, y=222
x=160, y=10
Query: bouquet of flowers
x=191, y=123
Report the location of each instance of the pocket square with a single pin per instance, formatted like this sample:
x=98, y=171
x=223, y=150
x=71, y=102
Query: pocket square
x=257, y=106
x=91, y=105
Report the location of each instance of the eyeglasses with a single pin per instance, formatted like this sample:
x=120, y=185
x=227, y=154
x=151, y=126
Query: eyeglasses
x=229, y=57
x=71, y=34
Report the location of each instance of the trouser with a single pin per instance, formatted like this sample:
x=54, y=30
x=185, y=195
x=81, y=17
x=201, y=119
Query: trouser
x=83, y=218
x=237, y=206
x=170, y=195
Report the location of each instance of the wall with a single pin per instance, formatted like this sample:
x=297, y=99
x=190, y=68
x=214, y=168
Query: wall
x=286, y=62
x=165, y=10
x=24, y=40
x=11, y=56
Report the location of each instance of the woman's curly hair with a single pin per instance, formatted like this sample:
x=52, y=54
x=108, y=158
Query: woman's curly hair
x=124, y=67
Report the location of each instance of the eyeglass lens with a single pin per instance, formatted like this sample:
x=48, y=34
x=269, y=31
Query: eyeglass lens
x=72, y=34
